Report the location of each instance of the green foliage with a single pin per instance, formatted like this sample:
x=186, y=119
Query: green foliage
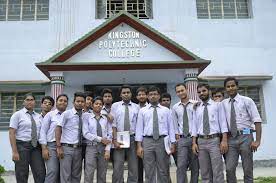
x=2, y=170
x=265, y=180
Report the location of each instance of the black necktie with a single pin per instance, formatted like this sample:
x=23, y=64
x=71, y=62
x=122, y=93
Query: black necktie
x=79, y=113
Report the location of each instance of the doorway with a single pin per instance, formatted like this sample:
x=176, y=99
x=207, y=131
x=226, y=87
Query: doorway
x=97, y=89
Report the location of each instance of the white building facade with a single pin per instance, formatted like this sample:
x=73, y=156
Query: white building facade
x=53, y=46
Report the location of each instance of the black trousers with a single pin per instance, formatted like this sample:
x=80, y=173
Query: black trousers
x=29, y=156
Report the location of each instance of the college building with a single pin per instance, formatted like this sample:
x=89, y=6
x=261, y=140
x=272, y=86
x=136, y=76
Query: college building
x=49, y=47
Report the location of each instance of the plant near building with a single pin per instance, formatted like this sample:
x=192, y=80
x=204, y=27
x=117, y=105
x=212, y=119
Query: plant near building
x=2, y=170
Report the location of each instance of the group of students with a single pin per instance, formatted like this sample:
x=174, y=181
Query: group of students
x=58, y=142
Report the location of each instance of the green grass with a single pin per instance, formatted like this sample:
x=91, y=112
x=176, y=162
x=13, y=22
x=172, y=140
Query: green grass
x=265, y=180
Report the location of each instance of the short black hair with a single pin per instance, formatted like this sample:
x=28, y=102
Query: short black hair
x=89, y=94
x=154, y=88
x=166, y=95
x=231, y=79
x=48, y=98
x=79, y=94
x=97, y=98
x=141, y=89
x=218, y=90
x=29, y=95
x=62, y=95
x=125, y=87
x=179, y=84
x=203, y=85
x=106, y=90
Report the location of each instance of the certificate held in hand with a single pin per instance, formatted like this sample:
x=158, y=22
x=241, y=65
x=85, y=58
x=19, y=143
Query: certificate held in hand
x=124, y=138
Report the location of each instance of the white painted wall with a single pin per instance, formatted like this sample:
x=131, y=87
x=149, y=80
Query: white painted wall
x=236, y=47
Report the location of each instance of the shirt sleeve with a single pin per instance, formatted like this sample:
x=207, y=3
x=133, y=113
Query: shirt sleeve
x=253, y=111
x=175, y=121
x=112, y=112
x=109, y=136
x=45, y=125
x=14, y=120
x=63, y=119
x=86, y=132
x=222, y=118
x=194, y=124
x=139, y=127
x=171, y=126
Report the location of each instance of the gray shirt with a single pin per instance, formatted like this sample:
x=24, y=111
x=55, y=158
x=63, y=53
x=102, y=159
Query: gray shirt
x=21, y=121
x=48, y=126
x=70, y=126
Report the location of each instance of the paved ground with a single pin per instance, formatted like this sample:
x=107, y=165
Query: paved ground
x=258, y=172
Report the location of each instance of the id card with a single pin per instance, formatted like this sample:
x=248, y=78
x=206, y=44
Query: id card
x=246, y=131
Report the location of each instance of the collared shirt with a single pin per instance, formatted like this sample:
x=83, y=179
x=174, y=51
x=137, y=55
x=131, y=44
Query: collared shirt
x=145, y=122
x=217, y=119
x=177, y=112
x=140, y=107
x=48, y=126
x=21, y=121
x=105, y=110
x=246, y=111
x=118, y=112
x=89, y=128
x=70, y=126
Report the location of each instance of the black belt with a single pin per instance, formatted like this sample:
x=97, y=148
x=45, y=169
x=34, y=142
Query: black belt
x=184, y=136
x=149, y=136
x=71, y=145
x=209, y=136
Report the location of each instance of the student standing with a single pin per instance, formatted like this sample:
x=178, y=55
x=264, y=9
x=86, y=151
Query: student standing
x=47, y=104
x=69, y=141
x=242, y=115
x=48, y=140
x=125, y=117
x=153, y=125
x=98, y=133
x=141, y=96
x=183, y=118
x=24, y=134
x=209, y=122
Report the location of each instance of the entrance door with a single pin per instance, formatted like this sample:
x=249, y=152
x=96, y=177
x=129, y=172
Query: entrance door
x=97, y=89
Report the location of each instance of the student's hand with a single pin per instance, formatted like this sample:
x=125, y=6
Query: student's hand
x=117, y=144
x=195, y=149
x=105, y=141
x=15, y=156
x=140, y=151
x=196, y=105
x=45, y=153
x=177, y=137
x=110, y=118
x=106, y=155
x=173, y=148
x=255, y=145
x=223, y=147
x=60, y=153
